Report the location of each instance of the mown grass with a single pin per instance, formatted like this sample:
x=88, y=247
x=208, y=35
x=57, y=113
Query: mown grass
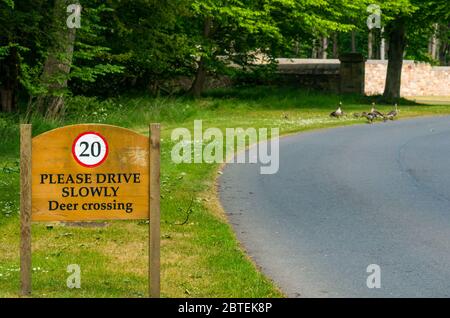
x=201, y=258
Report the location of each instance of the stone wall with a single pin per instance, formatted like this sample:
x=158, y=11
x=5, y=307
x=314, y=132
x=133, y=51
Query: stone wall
x=314, y=74
x=352, y=73
x=418, y=79
x=309, y=73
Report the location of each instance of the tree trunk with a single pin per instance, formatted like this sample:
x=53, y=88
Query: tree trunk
x=200, y=76
x=382, y=46
x=397, y=43
x=430, y=47
x=200, y=79
x=297, y=48
x=444, y=44
x=443, y=51
x=314, y=52
x=9, y=77
x=335, y=46
x=324, y=48
x=353, y=42
x=370, y=45
x=57, y=65
x=434, y=43
x=7, y=99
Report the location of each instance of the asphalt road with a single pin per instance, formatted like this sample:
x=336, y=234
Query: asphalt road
x=345, y=198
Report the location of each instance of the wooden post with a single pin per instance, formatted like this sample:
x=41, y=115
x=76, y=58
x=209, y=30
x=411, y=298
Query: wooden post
x=25, y=209
x=154, y=224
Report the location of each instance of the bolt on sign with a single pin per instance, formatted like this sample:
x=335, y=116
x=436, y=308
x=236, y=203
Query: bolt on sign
x=90, y=172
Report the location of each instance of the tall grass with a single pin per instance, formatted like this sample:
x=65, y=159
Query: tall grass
x=139, y=110
x=200, y=258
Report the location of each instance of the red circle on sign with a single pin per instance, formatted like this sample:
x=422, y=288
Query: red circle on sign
x=82, y=163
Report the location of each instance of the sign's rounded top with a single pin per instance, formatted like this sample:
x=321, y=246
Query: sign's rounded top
x=88, y=126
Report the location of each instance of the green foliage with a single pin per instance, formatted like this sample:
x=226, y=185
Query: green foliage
x=148, y=44
x=255, y=75
x=146, y=38
x=24, y=30
x=92, y=56
x=9, y=3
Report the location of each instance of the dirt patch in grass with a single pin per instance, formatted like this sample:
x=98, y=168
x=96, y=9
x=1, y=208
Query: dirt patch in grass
x=131, y=257
x=86, y=224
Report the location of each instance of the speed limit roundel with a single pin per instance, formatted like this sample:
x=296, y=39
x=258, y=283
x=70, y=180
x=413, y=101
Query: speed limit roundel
x=90, y=149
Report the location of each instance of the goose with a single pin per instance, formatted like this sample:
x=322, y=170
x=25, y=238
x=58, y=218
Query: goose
x=358, y=115
x=370, y=116
x=392, y=114
x=375, y=112
x=338, y=112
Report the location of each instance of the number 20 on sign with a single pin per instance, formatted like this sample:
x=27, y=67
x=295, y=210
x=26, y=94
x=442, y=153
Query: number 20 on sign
x=90, y=149
x=90, y=172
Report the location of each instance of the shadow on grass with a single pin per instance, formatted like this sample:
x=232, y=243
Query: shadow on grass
x=302, y=97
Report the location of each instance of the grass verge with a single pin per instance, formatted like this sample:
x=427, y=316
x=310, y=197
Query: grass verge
x=201, y=258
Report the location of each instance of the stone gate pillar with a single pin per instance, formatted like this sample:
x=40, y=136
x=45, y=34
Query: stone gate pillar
x=352, y=73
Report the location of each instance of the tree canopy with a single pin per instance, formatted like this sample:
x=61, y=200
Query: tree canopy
x=147, y=44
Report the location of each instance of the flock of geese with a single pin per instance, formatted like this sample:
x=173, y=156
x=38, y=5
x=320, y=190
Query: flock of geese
x=370, y=116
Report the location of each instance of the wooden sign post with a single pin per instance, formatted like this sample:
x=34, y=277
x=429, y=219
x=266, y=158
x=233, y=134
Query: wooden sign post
x=90, y=172
x=154, y=235
x=25, y=209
